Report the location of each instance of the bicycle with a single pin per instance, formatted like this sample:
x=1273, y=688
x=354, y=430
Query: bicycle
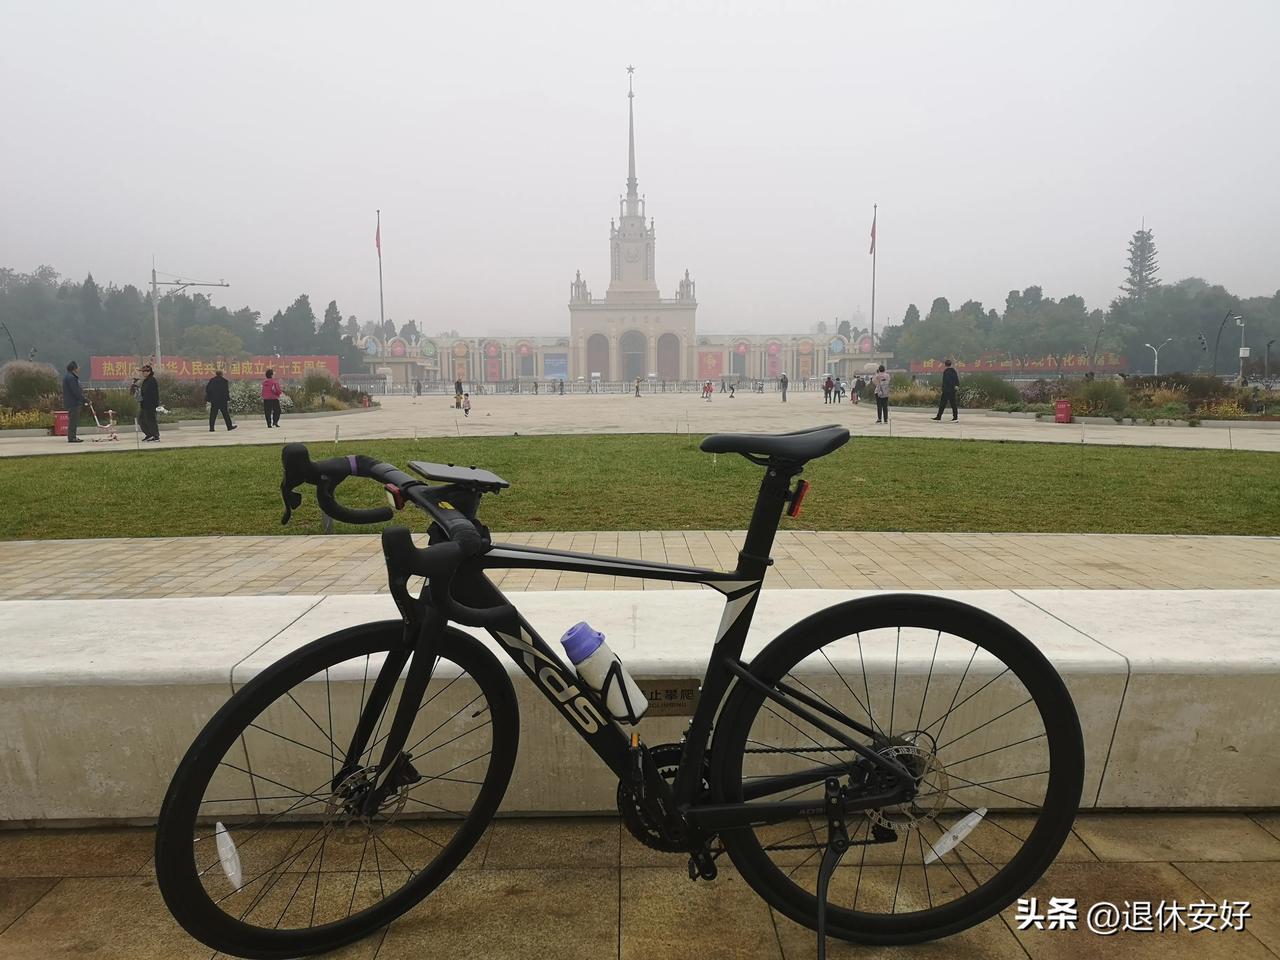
x=339, y=786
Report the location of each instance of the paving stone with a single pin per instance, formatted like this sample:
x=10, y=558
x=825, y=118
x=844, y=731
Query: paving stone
x=664, y=914
x=497, y=914
x=576, y=842
x=17, y=896
x=74, y=853
x=1259, y=883
x=1138, y=837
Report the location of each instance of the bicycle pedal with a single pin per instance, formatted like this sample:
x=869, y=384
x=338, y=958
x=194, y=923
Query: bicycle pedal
x=702, y=866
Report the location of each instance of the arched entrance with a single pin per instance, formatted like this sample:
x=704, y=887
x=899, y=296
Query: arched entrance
x=669, y=357
x=632, y=348
x=597, y=356
x=738, y=359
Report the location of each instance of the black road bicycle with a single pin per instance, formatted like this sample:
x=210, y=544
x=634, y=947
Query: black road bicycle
x=889, y=770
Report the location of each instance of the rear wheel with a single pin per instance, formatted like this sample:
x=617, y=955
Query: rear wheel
x=263, y=848
x=967, y=704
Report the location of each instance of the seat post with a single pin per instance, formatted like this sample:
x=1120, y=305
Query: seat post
x=753, y=558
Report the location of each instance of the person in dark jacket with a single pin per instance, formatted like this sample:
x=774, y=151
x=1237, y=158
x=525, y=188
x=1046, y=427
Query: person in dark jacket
x=73, y=399
x=148, y=401
x=950, y=385
x=217, y=393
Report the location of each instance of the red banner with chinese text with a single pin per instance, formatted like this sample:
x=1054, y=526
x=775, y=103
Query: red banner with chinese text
x=710, y=364
x=1000, y=363
x=190, y=368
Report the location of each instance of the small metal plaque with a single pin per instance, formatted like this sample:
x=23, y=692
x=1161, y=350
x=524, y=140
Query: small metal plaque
x=670, y=696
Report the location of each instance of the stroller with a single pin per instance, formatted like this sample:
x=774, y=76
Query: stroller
x=108, y=429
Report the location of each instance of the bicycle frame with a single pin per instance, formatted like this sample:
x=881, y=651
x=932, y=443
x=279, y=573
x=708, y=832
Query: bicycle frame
x=582, y=707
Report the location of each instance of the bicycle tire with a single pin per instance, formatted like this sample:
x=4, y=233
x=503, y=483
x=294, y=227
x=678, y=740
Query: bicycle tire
x=179, y=875
x=1063, y=779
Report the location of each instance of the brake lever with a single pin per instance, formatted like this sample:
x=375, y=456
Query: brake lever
x=292, y=501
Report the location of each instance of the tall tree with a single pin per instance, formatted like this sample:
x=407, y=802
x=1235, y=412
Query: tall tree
x=911, y=316
x=941, y=310
x=1143, y=266
x=329, y=336
x=351, y=328
x=409, y=332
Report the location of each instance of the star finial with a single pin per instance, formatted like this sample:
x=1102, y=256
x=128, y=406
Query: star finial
x=630, y=71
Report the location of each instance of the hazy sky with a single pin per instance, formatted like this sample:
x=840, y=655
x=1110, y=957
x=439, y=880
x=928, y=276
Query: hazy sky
x=1006, y=143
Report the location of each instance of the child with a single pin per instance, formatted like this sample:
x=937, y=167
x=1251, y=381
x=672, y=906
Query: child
x=466, y=404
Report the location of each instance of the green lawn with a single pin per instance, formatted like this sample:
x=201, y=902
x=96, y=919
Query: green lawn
x=647, y=482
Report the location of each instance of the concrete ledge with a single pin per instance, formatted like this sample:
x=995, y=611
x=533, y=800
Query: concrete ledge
x=99, y=699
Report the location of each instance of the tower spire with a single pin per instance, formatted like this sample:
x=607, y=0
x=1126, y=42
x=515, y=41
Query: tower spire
x=632, y=197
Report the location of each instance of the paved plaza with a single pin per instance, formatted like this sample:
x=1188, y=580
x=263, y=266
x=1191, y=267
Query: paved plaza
x=503, y=415
x=346, y=564
x=583, y=888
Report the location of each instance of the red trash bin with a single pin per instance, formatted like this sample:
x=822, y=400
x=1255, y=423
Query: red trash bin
x=1062, y=411
x=60, y=420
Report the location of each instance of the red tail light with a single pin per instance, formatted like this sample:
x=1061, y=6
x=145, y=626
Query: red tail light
x=797, y=498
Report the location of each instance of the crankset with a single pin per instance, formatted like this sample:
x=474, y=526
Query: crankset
x=644, y=819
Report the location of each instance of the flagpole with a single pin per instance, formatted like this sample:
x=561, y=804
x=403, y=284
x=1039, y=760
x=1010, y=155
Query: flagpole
x=874, y=208
x=382, y=316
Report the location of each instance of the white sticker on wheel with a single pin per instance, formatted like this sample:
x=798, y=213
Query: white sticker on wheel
x=949, y=841
x=228, y=856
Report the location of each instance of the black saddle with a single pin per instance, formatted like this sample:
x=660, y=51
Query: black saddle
x=800, y=446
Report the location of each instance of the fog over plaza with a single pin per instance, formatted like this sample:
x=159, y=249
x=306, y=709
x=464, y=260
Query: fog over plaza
x=1006, y=145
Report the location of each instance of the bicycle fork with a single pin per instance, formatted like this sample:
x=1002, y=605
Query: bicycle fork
x=394, y=767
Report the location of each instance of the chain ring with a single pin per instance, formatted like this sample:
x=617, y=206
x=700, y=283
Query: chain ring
x=666, y=757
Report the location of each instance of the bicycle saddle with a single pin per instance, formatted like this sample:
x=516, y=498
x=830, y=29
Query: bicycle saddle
x=798, y=446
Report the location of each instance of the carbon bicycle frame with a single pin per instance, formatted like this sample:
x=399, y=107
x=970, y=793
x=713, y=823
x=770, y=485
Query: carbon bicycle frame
x=583, y=709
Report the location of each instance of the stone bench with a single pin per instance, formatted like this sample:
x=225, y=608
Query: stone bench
x=99, y=699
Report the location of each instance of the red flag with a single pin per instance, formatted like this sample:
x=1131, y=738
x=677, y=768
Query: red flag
x=873, y=234
x=377, y=239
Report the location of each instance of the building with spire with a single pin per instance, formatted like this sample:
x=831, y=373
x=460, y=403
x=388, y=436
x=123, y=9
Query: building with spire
x=632, y=332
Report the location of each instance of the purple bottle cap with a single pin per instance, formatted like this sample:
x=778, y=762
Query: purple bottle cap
x=580, y=642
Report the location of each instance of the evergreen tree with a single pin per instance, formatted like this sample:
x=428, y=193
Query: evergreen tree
x=1143, y=266
x=351, y=328
x=911, y=316
x=329, y=337
x=844, y=329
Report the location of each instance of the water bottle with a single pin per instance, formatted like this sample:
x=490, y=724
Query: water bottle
x=600, y=668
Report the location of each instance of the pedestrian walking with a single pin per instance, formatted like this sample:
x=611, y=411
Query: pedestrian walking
x=217, y=393
x=782, y=385
x=856, y=396
x=271, y=394
x=950, y=387
x=828, y=385
x=417, y=388
x=637, y=386
x=841, y=389
x=457, y=394
x=73, y=399
x=881, y=383
x=148, y=402
x=466, y=404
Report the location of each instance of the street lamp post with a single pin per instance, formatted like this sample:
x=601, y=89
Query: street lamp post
x=179, y=285
x=1229, y=316
x=1243, y=353
x=1155, y=366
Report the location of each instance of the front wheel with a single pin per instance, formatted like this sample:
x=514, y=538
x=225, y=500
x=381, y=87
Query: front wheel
x=264, y=847
x=966, y=703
